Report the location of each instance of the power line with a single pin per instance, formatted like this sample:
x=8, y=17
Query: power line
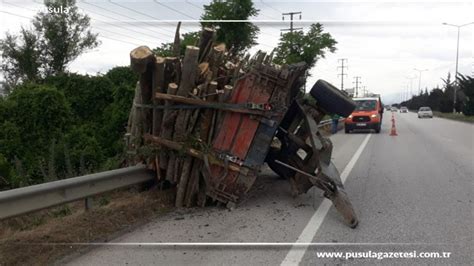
x=109, y=23
x=342, y=67
x=120, y=34
x=141, y=13
x=269, y=34
x=175, y=10
x=6, y=12
x=3, y=2
x=110, y=38
x=271, y=7
x=196, y=6
x=125, y=16
x=104, y=30
x=13, y=14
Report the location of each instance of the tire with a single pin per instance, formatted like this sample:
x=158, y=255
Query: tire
x=377, y=130
x=332, y=100
x=347, y=131
x=275, y=154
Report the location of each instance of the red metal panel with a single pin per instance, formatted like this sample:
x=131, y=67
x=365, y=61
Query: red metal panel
x=231, y=121
x=248, y=128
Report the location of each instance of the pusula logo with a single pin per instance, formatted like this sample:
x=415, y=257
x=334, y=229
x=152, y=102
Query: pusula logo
x=57, y=10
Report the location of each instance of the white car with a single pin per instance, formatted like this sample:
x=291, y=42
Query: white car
x=425, y=112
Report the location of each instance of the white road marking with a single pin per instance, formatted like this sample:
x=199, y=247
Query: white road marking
x=229, y=244
x=297, y=252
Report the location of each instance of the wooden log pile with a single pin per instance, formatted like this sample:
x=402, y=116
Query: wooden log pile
x=161, y=115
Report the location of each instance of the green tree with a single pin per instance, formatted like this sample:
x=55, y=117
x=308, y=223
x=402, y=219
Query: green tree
x=435, y=98
x=83, y=150
x=20, y=57
x=237, y=36
x=446, y=104
x=122, y=76
x=307, y=47
x=37, y=116
x=166, y=49
x=88, y=96
x=40, y=113
x=466, y=84
x=57, y=38
x=63, y=35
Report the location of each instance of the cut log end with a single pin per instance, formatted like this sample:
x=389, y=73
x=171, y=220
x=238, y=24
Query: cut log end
x=140, y=57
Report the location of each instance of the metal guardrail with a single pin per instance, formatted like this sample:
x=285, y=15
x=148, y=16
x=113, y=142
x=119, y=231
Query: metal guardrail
x=19, y=201
x=32, y=198
x=327, y=122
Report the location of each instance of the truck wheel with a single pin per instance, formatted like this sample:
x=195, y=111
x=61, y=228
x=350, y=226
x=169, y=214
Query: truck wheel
x=332, y=100
x=276, y=154
x=377, y=130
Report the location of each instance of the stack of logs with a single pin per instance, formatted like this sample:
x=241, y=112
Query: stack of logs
x=205, y=72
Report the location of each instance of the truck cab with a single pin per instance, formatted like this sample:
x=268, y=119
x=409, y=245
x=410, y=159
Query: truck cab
x=366, y=116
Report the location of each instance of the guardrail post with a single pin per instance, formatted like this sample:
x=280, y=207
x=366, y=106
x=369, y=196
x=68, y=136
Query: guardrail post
x=88, y=203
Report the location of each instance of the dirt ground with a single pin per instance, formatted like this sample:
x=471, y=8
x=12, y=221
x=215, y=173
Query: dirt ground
x=27, y=240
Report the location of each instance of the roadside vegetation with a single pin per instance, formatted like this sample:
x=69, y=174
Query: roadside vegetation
x=457, y=116
x=441, y=100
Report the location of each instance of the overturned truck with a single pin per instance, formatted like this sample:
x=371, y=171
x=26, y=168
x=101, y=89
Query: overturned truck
x=207, y=121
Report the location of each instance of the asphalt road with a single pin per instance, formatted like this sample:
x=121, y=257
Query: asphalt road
x=412, y=192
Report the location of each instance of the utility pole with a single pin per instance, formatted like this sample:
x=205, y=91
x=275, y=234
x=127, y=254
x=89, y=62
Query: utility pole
x=411, y=85
x=291, y=14
x=419, y=78
x=357, y=82
x=457, y=59
x=342, y=66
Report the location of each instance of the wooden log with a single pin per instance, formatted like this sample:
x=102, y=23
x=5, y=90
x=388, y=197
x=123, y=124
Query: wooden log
x=146, y=81
x=167, y=159
x=142, y=61
x=187, y=82
x=189, y=71
x=227, y=92
x=205, y=43
x=212, y=126
x=193, y=184
x=221, y=105
x=172, y=70
x=177, y=42
x=183, y=181
x=140, y=58
x=136, y=122
x=216, y=60
x=157, y=117
x=213, y=160
x=208, y=113
x=188, y=78
x=158, y=86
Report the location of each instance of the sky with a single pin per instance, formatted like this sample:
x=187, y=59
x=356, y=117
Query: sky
x=383, y=41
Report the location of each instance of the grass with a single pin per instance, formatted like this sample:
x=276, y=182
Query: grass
x=457, y=117
x=118, y=212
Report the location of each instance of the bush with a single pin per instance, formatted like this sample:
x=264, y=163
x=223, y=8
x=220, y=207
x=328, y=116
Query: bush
x=66, y=126
x=88, y=96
